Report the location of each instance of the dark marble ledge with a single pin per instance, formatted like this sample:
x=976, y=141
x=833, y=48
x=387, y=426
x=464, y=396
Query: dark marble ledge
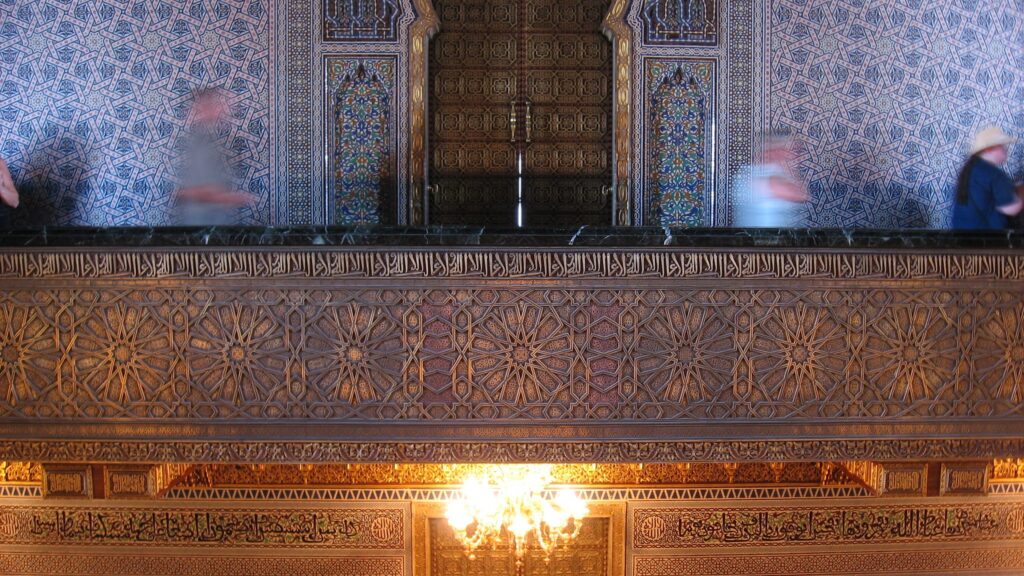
x=382, y=236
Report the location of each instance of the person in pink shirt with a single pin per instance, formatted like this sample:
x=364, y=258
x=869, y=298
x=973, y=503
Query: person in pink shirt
x=8, y=194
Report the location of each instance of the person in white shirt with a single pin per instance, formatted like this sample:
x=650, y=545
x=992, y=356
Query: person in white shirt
x=771, y=195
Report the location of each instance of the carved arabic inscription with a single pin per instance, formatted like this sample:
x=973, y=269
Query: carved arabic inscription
x=667, y=528
x=347, y=528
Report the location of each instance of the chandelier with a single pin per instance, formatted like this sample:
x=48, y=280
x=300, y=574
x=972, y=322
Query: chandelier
x=513, y=504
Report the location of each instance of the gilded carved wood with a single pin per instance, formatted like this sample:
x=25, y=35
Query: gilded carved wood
x=400, y=355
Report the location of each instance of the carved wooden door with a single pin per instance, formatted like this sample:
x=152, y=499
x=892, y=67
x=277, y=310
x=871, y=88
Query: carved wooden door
x=520, y=109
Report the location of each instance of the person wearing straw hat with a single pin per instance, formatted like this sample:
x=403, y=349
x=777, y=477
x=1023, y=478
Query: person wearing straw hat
x=985, y=195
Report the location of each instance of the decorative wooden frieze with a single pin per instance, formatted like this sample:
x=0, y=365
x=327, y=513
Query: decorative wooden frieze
x=592, y=355
x=904, y=479
x=732, y=526
x=380, y=527
x=497, y=451
x=67, y=481
x=641, y=265
x=129, y=481
x=964, y=478
x=44, y=563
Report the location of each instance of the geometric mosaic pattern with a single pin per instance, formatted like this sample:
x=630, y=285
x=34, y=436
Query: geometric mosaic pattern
x=94, y=99
x=361, y=94
x=361, y=20
x=885, y=97
x=681, y=103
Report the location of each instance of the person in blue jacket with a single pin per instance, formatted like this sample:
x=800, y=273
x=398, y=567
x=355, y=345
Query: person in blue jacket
x=985, y=195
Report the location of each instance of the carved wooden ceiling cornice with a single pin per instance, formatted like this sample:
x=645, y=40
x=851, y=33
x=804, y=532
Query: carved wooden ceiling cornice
x=212, y=451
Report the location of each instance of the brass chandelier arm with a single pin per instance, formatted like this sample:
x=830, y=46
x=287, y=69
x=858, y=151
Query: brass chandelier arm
x=529, y=121
x=512, y=121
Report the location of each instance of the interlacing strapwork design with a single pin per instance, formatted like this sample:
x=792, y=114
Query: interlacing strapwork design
x=95, y=99
x=361, y=20
x=680, y=22
x=355, y=353
x=885, y=96
x=27, y=353
x=515, y=353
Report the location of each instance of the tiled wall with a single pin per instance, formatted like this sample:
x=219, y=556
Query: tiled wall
x=94, y=98
x=886, y=95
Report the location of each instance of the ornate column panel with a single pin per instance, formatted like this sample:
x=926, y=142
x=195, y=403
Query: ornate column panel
x=679, y=141
x=694, y=189
x=327, y=124
x=622, y=44
x=360, y=110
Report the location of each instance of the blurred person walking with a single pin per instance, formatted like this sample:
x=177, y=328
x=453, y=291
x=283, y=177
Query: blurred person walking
x=985, y=195
x=207, y=196
x=772, y=194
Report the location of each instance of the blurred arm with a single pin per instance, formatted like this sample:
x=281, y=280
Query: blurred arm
x=1006, y=198
x=1012, y=209
x=215, y=195
x=787, y=189
x=8, y=193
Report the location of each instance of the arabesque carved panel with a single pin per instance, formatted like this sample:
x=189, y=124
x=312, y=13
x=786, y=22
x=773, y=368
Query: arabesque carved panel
x=732, y=526
x=117, y=564
x=369, y=528
x=509, y=353
x=819, y=342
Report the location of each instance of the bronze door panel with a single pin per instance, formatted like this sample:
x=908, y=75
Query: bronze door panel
x=521, y=100
x=478, y=201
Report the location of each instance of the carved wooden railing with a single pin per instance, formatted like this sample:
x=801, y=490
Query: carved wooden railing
x=499, y=354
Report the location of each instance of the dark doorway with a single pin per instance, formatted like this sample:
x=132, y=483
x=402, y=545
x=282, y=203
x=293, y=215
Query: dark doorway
x=520, y=114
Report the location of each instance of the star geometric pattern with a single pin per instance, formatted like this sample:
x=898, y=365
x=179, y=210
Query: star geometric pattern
x=94, y=98
x=885, y=96
x=517, y=354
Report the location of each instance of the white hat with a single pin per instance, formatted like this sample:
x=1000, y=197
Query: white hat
x=988, y=137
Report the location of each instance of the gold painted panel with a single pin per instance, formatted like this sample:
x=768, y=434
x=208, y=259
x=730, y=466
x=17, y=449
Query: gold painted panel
x=13, y=472
x=971, y=559
x=608, y=532
x=586, y=555
x=268, y=475
x=1008, y=470
x=730, y=525
x=379, y=527
x=120, y=563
